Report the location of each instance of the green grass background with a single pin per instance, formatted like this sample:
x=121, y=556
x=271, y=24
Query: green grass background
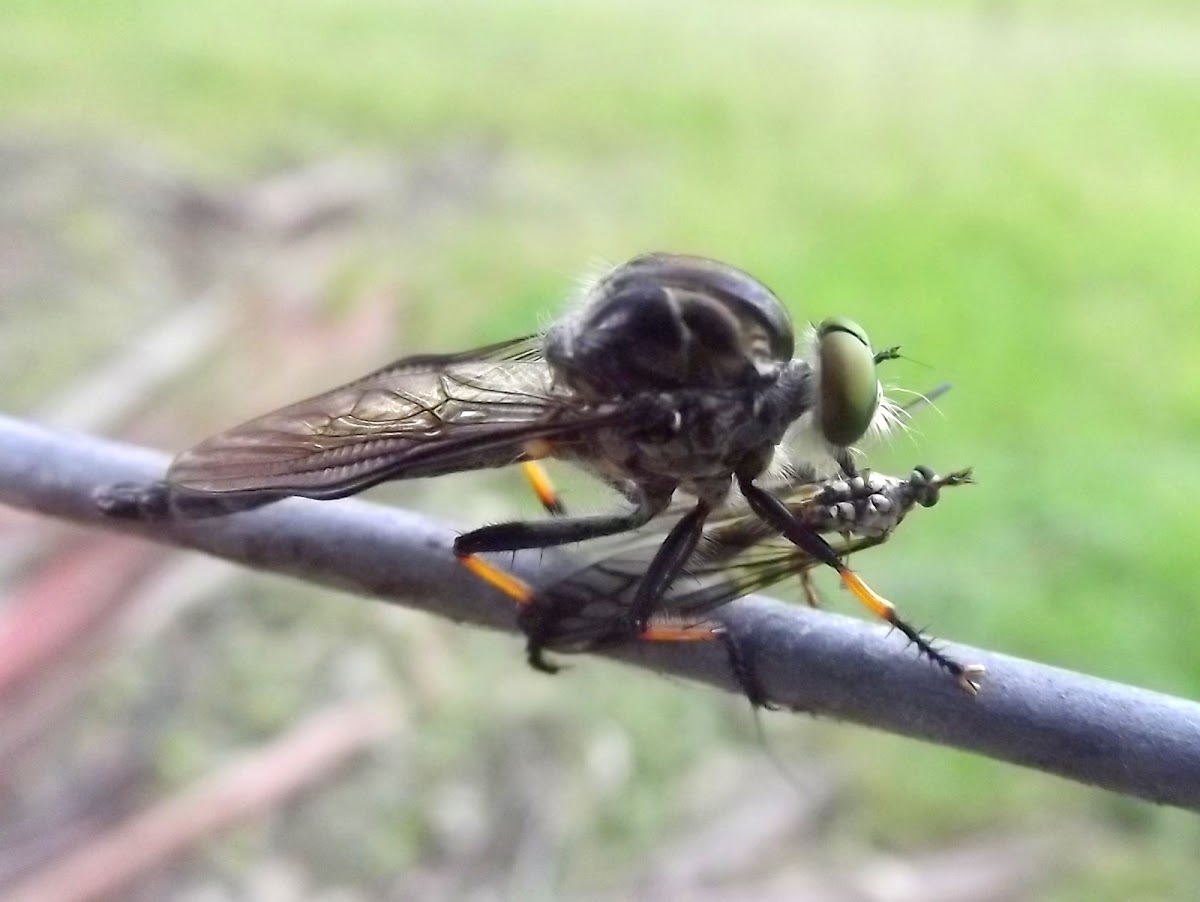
x=1011, y=191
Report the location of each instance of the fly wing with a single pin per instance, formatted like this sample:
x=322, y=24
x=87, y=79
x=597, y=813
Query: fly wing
x=420, y=416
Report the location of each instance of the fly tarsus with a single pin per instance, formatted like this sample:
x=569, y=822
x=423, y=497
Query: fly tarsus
x=540, y=621
x=535, y=654
x=967, y=676
x=769, y=508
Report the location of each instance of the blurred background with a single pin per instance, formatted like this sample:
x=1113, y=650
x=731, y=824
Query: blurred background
x=207, y=210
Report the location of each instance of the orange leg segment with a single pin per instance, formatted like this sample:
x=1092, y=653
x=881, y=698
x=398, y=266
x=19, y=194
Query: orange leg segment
x=539, y=479
x=523, y=593
x=967, y=675
x=681, y=632
x=516, y=589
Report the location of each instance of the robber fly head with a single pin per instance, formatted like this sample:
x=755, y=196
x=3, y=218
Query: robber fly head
x=672, y=321
x=849, y=399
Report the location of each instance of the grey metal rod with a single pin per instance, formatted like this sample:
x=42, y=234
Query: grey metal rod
x=1129, y=740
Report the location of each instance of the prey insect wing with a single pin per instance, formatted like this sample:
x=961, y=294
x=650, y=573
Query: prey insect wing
x=590, y=609
x=737, y=554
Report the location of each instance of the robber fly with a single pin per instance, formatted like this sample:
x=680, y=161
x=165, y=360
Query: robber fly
x=586, y=605
x=671, y=373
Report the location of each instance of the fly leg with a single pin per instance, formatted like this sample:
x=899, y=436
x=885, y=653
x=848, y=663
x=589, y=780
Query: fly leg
x=809, y=586
x=775, y=512
x=541, y=622
x=667, y=564
x=525, y=597
x=546, y=534
x=661, y=629
x=663, y=569
x=547, y=494
x=539, y=628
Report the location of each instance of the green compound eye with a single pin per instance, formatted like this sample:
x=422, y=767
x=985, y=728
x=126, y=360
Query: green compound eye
x=849, y=387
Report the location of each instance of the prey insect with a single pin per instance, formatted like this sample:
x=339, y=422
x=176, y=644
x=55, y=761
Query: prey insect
x=672, y=373
x=587, y=605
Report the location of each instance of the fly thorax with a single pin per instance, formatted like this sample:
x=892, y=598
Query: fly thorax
x=665, y=322
x=694, y=435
